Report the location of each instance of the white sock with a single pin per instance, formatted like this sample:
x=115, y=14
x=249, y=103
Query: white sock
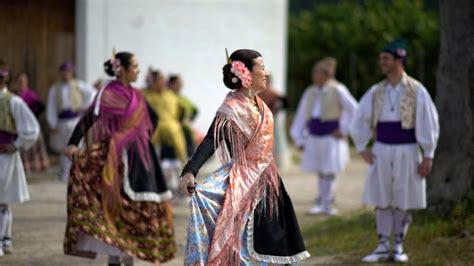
x=331, y=184
x=321, y=184
x=384, y=222
x=3, y=222
x=401, y=222
x=327, y=190
x=8, y=228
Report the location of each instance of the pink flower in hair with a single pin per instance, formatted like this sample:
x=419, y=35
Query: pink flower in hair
x=242, y=72
x=401, y=52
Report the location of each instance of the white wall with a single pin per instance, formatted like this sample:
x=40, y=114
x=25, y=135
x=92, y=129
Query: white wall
x=183, y=36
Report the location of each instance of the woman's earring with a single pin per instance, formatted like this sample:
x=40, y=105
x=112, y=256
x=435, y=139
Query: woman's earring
x=250, y=92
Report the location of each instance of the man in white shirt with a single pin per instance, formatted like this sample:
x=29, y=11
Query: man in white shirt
x=67, y=99
x=400, y=116
x=320, y=127
x=18, y=129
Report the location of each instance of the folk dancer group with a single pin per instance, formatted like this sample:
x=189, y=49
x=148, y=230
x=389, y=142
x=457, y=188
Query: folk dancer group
x=118, y=194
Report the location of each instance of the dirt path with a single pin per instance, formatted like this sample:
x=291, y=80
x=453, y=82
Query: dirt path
x=38, y=227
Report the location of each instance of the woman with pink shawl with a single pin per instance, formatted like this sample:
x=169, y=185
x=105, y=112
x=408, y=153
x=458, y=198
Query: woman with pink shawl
x=118, y=202
x=241, y=214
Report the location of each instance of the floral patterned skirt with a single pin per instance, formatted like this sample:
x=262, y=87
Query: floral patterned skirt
x=143, y=229
x=205, y=206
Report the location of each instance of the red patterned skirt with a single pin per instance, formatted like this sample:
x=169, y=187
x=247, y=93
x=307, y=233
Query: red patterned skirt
x=143, y=229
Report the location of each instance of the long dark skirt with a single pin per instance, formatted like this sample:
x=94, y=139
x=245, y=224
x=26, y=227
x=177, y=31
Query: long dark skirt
x=143, y=229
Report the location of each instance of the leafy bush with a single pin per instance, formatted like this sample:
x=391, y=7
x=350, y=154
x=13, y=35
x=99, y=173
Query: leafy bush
x=354, y=32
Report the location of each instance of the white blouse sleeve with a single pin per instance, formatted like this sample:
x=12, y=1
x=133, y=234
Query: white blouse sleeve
x=427, y=123
x=349, y=107
x=298, y=127
x=27, y=126
x=360, y=128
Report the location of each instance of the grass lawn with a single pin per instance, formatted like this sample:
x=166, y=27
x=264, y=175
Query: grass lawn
x=431, y=239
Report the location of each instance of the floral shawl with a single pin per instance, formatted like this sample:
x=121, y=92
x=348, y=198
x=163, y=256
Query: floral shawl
x=253, y=174
x=123, y=121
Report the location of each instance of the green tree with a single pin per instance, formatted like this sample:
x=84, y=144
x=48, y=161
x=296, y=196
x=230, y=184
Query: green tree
x=354, y=32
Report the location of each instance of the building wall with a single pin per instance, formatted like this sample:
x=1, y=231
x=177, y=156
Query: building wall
x=187, y=37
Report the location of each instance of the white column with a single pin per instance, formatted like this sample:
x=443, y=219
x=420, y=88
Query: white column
x=92, y=46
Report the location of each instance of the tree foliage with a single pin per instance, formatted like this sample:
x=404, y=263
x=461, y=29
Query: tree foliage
x=354, y=32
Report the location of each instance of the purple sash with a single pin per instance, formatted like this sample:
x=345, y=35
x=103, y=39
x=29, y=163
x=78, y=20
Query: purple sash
x=392, y=133
x=7, y=137
x=67, y=114
x=318, y=128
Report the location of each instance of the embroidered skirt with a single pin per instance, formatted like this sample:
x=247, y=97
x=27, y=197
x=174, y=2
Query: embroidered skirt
x=265, y=240
x=144, y=229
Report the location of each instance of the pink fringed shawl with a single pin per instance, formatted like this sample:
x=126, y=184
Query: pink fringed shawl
x=252, y=176
x=122, y=121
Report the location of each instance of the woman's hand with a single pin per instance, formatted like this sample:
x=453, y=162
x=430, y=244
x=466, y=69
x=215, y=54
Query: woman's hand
x=187, y=184
x=70, y=151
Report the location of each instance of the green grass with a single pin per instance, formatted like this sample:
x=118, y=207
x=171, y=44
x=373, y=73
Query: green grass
x=431, y=240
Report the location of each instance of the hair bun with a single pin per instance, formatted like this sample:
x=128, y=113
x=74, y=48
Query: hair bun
x=108, y=68
x=231, y=81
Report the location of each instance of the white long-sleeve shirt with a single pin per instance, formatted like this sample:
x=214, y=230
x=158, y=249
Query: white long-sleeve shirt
x=27, y=127
x=51, y=109
x=426, y=125
x=298, y=131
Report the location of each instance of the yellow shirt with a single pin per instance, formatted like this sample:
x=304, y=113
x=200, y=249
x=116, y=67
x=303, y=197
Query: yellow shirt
x=168, y=131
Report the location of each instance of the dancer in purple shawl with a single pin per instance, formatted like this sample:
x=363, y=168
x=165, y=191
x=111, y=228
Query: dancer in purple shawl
x=35, y=159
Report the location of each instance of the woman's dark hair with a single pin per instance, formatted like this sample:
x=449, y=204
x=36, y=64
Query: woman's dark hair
x=245, y=56
x=152, y=76
x=4, y=67
x=173, y=78
x=125, y=61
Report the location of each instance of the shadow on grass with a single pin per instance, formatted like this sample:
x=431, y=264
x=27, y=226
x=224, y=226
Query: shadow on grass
x=431, y=240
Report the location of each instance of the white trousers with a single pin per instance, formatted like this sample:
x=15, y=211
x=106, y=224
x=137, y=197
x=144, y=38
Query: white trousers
x=325, y=155
x=13, y=186
x=393, y=178
x=58, y=141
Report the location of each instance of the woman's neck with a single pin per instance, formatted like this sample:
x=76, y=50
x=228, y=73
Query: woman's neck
x=157, y=89
x=249, y=93
x=124, y=81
